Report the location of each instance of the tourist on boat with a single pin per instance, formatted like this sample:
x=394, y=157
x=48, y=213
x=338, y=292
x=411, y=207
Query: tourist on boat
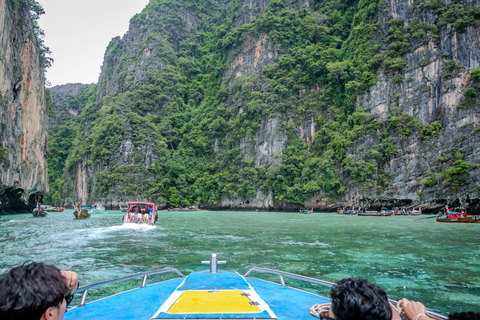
x=361, y=300
x=36, y=291
x=150, y=214
x=415, y=310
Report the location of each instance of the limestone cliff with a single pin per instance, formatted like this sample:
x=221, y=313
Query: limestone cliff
x=23, y=112
x=432, y=87
x=273, y=105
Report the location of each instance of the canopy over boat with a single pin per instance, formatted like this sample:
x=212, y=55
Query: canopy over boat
x=458, y=217
x=141, y=212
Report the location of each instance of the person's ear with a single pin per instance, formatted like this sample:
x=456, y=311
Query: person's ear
x=48, y=314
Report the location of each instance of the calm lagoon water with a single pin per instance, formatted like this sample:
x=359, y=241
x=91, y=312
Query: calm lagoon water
x=413, y=257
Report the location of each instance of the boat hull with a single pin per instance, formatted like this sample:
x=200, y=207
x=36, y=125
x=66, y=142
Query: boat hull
x=55, y=209
x=159, y=301
x=82, y=215
x=39, y=213
x=376, y=214
x=456, y=220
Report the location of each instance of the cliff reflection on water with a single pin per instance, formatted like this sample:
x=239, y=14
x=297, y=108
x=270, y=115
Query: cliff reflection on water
x=413, y=257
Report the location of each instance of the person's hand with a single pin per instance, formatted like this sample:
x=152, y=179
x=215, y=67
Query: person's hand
x=72, y=279
x=414, y=308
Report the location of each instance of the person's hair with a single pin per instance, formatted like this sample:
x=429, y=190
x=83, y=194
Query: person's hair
x=359, y=299
x=27, y=291
x=468, y=315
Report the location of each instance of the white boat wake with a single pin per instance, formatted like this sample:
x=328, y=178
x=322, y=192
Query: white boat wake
x=135, y=226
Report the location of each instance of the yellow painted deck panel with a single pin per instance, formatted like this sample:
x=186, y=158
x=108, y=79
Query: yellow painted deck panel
x=225, y=301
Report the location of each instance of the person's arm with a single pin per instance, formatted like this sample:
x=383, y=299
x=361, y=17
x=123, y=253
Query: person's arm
x=72, y=279
x=395, y=315
x=414, y=310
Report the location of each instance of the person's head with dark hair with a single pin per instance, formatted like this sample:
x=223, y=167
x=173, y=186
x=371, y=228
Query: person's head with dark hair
x=33, y=291
x=359, y=299
x=468, y=315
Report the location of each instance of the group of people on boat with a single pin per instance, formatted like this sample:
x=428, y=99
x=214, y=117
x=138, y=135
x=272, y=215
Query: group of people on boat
x=141, y=213
x=458, y=215
x=81, y=212
x=39, y=211
x=350, y=210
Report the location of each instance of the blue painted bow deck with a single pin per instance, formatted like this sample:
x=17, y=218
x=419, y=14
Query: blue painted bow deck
x=145, y=303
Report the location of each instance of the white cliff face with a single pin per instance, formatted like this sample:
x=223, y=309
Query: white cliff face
x=23, y=112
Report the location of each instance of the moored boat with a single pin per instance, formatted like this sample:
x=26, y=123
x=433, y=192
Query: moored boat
x=456, y=217
x=208, y=294
x=141, y=212
x=383, y=213
x=54, y=209
x=191, y=208
x=416, y=212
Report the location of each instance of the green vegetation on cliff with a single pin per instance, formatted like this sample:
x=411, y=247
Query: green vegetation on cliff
x=178, y=123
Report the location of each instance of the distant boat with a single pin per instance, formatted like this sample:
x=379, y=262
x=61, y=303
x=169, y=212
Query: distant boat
x=123, y=209
x=383, y=213
x=192, y=208
x=82, y=213
x=416, y=212
x=457, y=217
x=54, y=209
x=39, y=211
x=97, y=208
x=141, y=212
x=305, y=210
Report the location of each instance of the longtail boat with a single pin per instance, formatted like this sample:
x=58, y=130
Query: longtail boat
x=39, y=211
x=55, y=209
x=383, y=213
x=457, y=217
x=415, y=212
x=82, y=213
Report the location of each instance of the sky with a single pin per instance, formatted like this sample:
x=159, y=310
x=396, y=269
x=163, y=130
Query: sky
x=78, y=32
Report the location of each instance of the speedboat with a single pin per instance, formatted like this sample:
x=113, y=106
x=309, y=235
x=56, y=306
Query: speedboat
x=208, y=294
x=141, y=212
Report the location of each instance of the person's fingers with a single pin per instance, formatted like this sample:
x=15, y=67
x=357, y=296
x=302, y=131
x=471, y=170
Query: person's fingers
x=71, y=277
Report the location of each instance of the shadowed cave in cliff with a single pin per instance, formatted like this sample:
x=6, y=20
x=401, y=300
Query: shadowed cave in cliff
x=12, y=200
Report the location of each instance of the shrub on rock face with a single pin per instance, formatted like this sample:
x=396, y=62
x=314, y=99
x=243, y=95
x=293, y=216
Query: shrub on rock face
x=471, y=93
x=475, y=74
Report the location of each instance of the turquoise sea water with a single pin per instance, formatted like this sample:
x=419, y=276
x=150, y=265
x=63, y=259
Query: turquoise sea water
x=413, y=257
